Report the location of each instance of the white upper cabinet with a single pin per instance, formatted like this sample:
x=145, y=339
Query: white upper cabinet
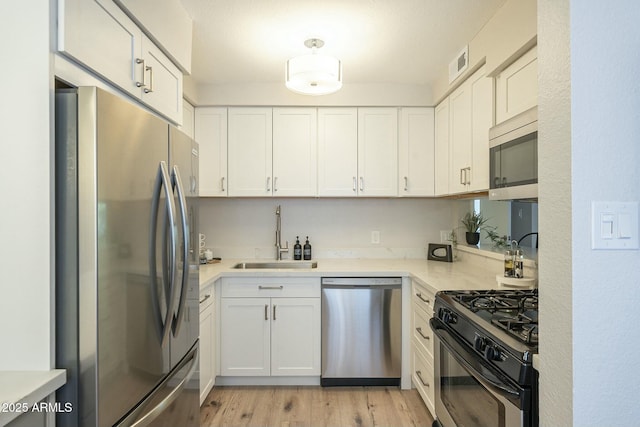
x=517, y=87
x=250, y=152
x=168, y=23
x=337, y=152
x=377, y=152
x=460, y=138
x=188, y=119
x=416, y=152
x=211, y=135
x=294, y=152
x=441, y=150
x=99, y=35
x=481, y=120
x=470, y=109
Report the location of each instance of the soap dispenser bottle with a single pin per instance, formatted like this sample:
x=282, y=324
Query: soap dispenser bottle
x=307, y=250
x=297, y=250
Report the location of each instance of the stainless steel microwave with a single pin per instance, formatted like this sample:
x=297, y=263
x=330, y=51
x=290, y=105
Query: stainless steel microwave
x=513, y=153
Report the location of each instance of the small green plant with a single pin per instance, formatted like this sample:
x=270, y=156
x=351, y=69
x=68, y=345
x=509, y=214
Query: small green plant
x=497, y=240
x=473, y=221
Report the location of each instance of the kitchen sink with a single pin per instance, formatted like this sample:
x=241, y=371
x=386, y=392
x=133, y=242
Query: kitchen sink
x=276, y=264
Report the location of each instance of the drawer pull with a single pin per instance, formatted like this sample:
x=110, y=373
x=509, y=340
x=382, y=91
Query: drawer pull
x=206, y=297
x=270, y=287
x=419, y=374
x=419, y=330
x=419, y=295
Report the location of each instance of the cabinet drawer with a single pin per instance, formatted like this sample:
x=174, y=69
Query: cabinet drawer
x=422, y=375
x=206, y=298
x=422, y=297
x=238, y=287
x=421, y=331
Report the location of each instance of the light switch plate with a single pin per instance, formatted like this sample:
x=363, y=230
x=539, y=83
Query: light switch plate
x=614, y=225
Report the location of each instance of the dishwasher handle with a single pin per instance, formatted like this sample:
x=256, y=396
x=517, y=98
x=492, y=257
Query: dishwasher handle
x=361, y=286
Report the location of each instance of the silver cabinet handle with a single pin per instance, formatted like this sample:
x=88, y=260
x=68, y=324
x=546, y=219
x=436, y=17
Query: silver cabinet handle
x=266, y=312
x=150, y=88
x=222, y=184
x=142, y=83
x=419, y=374
x=462, y=180
x=361, y=183
x=468, y=176
x=268, y=184
x=419, y=295
x=355, y=188
x=419, y=330
x=275, y=183
x=270, y=287
x=206, y=297
x=406, y=183
x=274, y=312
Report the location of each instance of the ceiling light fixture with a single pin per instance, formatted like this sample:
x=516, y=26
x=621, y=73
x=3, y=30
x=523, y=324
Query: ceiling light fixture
x=314, y=74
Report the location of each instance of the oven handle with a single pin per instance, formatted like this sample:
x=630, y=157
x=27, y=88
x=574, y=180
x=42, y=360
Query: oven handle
x=500, y=386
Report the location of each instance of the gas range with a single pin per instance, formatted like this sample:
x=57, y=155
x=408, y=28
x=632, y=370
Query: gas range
x=500, y=325
x=484, y=342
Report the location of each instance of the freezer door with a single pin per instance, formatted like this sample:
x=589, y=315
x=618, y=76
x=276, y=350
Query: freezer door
x=183, y=160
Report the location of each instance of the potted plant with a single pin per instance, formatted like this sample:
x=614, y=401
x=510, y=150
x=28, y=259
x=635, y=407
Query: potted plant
x=472, y=223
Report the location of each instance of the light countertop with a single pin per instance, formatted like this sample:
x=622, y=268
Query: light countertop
x=20, y=390
x=434, y=275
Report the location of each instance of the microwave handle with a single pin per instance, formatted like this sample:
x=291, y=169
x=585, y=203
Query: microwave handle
x=496, y=182
x=504, y=181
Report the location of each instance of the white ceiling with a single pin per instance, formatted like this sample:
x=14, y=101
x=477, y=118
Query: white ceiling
x=378, y=41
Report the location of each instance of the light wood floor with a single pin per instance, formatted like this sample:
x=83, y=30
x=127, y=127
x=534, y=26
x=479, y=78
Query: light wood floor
x=313, y=406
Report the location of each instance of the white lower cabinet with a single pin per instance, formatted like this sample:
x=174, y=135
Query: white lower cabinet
x=207, y=342
x=422, y=362
x=270, y=327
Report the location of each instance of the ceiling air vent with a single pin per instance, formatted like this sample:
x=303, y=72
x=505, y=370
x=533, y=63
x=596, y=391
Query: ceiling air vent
x=459, y=64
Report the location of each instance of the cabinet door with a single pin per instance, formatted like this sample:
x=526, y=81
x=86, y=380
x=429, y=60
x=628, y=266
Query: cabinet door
x=517, y=87
x=294, y=152
x=163, y=82
x=295, y=336
x=441, y=166
x=211, y=135
x=481, y=120
x=244, y=336
x=460, y=138
x=337, y=152
x=188, y=119
x=99, y=35
x=416, y=152
x=207, y=352
x=377, y=152
x=249, y=149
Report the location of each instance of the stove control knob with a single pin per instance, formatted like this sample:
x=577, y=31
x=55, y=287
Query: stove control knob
x=479, y=343
x=492, y=352
x=448, y=317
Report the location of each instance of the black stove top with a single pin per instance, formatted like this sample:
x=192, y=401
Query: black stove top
x=513, y=311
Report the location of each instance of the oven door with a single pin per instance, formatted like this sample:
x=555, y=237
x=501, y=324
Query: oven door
x=469, y=391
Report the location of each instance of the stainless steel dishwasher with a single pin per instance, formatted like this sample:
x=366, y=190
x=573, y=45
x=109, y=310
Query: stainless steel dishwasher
x=361, y=331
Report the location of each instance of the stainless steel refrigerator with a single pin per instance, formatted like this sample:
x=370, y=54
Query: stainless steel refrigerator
x=126, y=265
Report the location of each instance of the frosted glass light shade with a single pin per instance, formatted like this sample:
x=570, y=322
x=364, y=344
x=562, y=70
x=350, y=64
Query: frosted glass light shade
x=313, y=74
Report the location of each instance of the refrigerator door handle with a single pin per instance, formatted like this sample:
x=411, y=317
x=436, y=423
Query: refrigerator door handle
x=152, y=414
x=182, y=203
x=162, y=181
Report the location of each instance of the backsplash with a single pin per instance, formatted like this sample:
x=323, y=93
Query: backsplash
x=337, y=228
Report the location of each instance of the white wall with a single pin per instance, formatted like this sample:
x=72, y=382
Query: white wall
x=351, y=95
x=589, y=130
x=507, y=35
x=26, y=217
x=245, y=228
x=554, y=222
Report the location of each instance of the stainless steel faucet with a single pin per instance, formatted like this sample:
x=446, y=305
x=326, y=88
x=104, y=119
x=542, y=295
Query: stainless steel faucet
x=279, y=248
